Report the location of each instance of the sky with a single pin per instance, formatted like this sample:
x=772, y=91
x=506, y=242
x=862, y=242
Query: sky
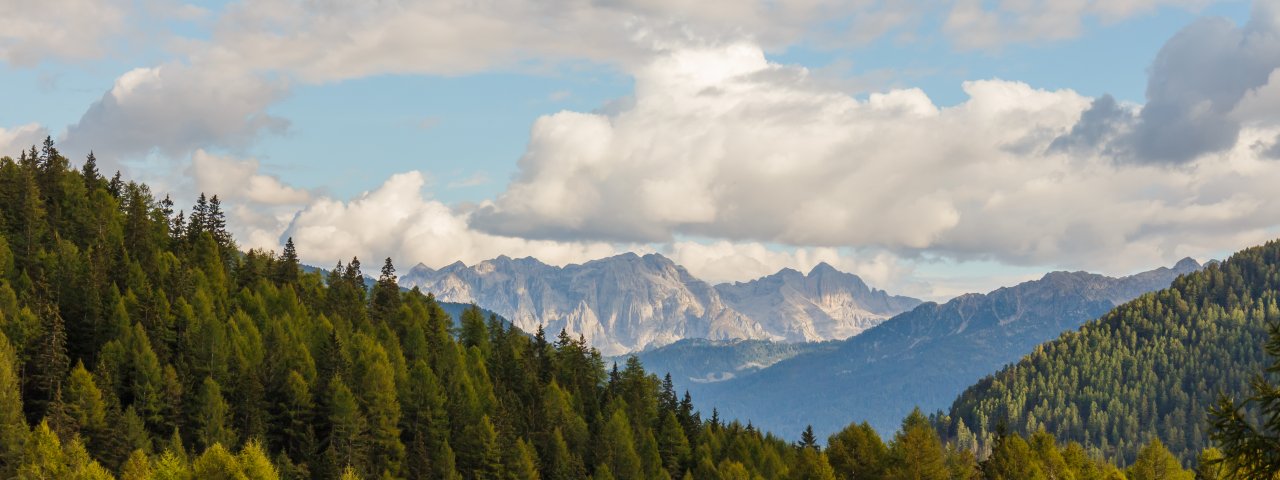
x=932, y=147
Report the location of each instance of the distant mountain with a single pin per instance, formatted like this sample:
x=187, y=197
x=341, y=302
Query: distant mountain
x=1150, y=367
x=924, y=357
x=628, y=302
x=700, y=360
x=826, y=304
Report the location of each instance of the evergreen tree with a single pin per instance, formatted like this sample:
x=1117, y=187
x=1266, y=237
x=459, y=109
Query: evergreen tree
x=1253, y=449
x=1156, y=463
x=288, y=265
x=857, y=452
x=213, y=416
x=13, y=426
x=916, y=451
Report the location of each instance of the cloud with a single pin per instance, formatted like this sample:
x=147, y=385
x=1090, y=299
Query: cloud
x=176, y=109
x=476, y=179
x=397, y=221
x=239, y=180
x=722, y=144
x=724, y=261
x=1209, y=82
x=13, y=141
x=975, y=24
x=61, y=29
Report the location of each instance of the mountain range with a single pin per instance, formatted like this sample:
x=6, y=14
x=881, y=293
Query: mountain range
x=630, y=302
x=924, y=357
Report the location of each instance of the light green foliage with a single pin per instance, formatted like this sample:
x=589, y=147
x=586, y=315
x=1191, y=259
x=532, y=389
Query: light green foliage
x=1156, y=463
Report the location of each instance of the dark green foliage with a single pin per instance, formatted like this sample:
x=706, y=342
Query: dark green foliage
x=130, y=336
x=1149, y=368
x=1252, y=448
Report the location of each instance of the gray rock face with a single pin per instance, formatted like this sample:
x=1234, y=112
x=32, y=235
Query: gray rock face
x=826, y=304
x=629, y=302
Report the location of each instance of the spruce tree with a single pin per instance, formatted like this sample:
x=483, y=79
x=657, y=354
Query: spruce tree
x=213, y=416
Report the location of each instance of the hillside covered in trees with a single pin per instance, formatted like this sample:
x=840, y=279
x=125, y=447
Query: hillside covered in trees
x=138, y=342
x=1151, y=367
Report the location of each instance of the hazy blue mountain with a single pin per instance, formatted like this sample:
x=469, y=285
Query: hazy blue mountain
x=922, y=357
x=629, y=302
x=705, y=361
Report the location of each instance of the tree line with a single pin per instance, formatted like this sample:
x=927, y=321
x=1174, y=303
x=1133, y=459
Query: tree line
x=139, y=342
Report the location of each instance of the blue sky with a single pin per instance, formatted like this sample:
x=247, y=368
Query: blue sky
x=940, y=156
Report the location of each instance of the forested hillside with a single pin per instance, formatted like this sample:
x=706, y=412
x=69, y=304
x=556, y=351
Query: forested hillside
x=137, y=340
x=1151, y=367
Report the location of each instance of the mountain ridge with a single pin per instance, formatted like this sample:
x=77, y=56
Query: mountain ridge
x=629, y=302
x=925, y=356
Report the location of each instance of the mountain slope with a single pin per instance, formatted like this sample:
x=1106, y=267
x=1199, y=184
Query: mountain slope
x=629, y=302
x=826, y=304
x=1151, y=366
x=698, y=360
x=923, y=357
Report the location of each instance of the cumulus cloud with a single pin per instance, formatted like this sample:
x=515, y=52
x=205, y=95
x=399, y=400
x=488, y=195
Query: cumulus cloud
x=720, y=143
x=240, y=179
x=396, y=220
x=1209, y=82
x=14, y=140
x=176, y=109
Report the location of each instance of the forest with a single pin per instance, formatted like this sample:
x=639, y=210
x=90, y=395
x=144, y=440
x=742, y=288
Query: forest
x=140, y=342
x=1149, y=368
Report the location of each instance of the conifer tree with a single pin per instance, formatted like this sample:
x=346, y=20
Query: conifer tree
x=13, y=426
x=288, y=265
x=1155, y=462
x=213, y=416
x=916, y=451
x=386, y=294
x=856, y=452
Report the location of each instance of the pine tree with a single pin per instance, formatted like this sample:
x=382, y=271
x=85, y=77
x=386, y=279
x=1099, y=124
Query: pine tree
x=807, y=438
x=673, y=445
x=857, y=452
x=13, y=426
x=386, y=294
x=1252, y=449
x=1156, y=463
x=137, y=467
x=916, y=451
x=1012, y=459
x=347, y=444
x=89, y=172
x=48, y=366
x=617, y=447
x=288, y=265
x=213, y=416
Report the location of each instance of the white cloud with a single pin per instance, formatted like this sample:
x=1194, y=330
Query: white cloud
x=720, y=143
x=65, y=29
x=397, y=221
x=178, y=108
x=15, y=140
